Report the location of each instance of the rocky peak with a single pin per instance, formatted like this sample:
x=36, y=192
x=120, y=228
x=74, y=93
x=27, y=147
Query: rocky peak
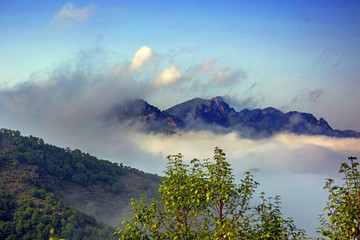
x=216, y=105
x=324, y=124
x=149, y=117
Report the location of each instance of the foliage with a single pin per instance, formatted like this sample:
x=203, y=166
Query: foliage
x=34, y=219
x=6, y=205
x=203, y=202
x=269, y=223
x=37, y=170
x=63, y=164
x=343, y=208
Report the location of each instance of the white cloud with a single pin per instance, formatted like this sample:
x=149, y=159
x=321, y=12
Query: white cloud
x=168, y=76
x=207, y=76
x=225, y=77
x=69, y=12
x=141, y=56
x=305, y=154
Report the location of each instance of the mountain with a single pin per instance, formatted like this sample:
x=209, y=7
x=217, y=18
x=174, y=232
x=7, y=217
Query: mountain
x=214, y=111
x=147, y=117
x=254, y=123
x=216, y=115
x=43, y=186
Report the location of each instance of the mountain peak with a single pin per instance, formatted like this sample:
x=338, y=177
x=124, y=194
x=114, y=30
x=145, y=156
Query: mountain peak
x=271, y=110
x=148, y=117
x=212, y=111
x=217, y=99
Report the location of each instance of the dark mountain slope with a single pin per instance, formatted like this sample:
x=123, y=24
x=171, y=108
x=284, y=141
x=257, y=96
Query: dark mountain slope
x=263, y=122
x=305, y=123
x=213, y=111
x=41, y=183
x=182, y=110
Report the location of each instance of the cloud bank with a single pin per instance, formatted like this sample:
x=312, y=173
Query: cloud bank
x=283, y=152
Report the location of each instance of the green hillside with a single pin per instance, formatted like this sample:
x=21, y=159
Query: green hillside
x=43, y=186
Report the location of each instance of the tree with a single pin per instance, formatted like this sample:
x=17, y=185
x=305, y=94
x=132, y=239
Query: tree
x=269, y=223
x=343, y=208
x=203, y=202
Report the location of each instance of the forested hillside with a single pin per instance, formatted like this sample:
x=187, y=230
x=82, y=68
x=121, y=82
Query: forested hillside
x=41, y=186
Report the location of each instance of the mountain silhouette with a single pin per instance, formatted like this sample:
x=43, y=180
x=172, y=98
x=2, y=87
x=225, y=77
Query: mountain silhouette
x=216, y=115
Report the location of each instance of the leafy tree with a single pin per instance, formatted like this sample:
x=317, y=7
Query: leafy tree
x=269, y=223
x=343, y=208
x=203, y=202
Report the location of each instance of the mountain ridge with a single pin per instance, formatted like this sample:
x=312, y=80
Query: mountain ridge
x=216, y=115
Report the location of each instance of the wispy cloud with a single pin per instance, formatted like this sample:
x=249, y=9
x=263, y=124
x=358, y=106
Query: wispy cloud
x=69, y=13
x=314, y=95
x=225, y=77
x=306, y=97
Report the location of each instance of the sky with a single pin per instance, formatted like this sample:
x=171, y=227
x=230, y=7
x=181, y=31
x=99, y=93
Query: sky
x=64, y=64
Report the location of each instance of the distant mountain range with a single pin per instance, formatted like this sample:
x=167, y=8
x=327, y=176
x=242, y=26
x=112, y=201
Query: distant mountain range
x=216, y=115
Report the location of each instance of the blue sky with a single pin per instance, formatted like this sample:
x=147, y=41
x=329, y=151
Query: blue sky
x=62, y=64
